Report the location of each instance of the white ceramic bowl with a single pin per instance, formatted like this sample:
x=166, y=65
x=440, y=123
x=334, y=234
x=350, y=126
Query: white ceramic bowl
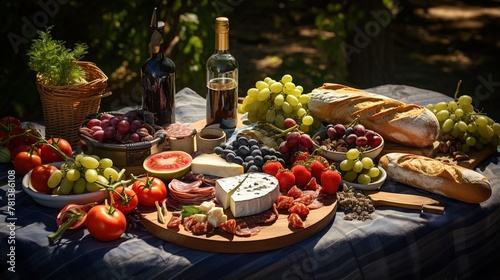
x=373, y=185
x=59, y=201
x=339, y=156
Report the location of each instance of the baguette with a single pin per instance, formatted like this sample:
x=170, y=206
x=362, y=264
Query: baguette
x=435, y=176
x=407, y=124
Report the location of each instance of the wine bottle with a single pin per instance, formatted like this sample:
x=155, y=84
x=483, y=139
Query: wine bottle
x=222, y=80
x=158, y=78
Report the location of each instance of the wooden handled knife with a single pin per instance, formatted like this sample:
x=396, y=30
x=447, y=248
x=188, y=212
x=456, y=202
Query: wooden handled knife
x=409, y=201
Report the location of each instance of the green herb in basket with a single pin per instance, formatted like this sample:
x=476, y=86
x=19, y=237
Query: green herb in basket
x=54, y=62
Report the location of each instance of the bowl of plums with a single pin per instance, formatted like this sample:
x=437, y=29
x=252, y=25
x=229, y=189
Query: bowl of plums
x=336, y=140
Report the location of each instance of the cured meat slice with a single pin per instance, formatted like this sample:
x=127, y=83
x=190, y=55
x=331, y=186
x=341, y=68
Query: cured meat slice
x=229, y=226
x=284, y=202
x=190, y=193
x=295, y=221
x=189, y=222
x=306, y=198
x=299, y=208
x=243, y=230
x=202, y=228
x=174, y=222
x=180, y=186
x=294, y=192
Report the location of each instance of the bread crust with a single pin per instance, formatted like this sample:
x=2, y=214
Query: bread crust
x=407, y=124
x=435, y=176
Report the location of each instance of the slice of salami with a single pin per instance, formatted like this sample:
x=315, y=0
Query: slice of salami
x=294, y=192
x=179, y=130
x=306, y=198
x=229, y=226
x=174, y=222
x=299, y=208
x=202, y=228
x=295, y=221
x=284, y=202
x=189, y=222
x=243, y=230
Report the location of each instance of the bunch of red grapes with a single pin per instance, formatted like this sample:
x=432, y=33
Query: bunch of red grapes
x=295, y=142
x=109, y=128
x=355, y=136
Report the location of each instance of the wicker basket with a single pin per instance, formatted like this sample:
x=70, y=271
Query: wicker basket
x=66, y=107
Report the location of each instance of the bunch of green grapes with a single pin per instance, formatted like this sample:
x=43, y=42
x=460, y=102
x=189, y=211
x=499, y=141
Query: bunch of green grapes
x=83, y=175
x=274, y=101
x=460, y=121
x=358, y=169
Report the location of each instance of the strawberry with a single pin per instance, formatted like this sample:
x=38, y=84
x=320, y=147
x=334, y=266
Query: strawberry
x=286, y=179
x=331, y=180
x=301, y=155
x=271, y=167
x=302, y=175
x=317, y=169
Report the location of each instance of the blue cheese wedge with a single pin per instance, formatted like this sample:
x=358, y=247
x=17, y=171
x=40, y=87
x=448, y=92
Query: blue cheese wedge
x=247, y=194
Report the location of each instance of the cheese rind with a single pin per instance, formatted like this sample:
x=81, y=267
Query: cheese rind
x=247, y=194
x=214, y=165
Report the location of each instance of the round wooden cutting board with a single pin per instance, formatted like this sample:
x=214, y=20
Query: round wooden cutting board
x=273, y=236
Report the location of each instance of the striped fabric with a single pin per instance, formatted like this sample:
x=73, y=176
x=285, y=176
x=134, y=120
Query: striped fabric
x=464, y=243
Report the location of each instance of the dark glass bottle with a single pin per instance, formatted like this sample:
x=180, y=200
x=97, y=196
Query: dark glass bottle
x=158, y=78
x=222, y=80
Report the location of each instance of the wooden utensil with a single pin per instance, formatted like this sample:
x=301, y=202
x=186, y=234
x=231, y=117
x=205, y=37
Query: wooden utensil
x=409, y=201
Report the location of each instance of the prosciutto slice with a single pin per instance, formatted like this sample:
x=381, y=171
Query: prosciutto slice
x=190, y=193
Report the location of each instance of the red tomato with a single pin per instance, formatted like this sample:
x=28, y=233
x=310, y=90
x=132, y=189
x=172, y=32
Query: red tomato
x=7, y=124
x=24, y=162
x=10, y=121
x=39, y=177
x=126, y=199
x=48, y=154
x=73, y=209
x=149, y=190
x=105, y=223
x=14, y=150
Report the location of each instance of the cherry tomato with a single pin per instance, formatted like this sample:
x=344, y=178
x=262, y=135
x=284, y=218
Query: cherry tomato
x=149, y=190
x=14, y=150
x=126, y=199
x=70, y=209
x=48, y=154
x=39, y=177
x=7, y=124
x=72, y=216
x=105, y=223
x=24, y=162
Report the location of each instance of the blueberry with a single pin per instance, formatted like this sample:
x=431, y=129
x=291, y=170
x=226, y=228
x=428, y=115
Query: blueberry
x=254, y=147
x=226, y=152
x=256, y=153
x=248, y=158
x=238, y=160
x=272, y=151
x=252, y=142
x=253, y=168
x=244, y=150
x=267, y=157
x=258, y=160
x=242, y=141
x=264, y=150
x=218, y=150
x=282, y=161
x=229, y=147
x=230, y=157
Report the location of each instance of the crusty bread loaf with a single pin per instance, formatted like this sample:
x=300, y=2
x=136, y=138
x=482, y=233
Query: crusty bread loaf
x=407, y=124
x=435, y=176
